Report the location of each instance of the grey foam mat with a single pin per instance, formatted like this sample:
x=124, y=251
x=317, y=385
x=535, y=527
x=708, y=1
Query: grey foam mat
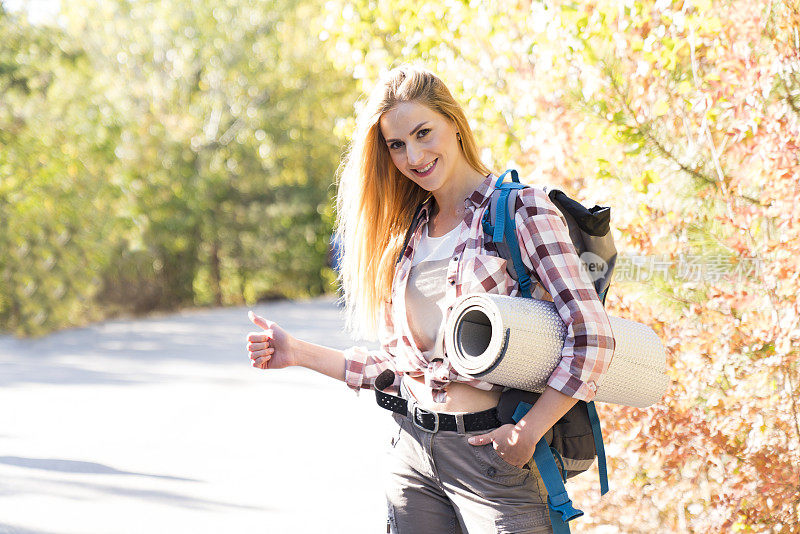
x=517, y=342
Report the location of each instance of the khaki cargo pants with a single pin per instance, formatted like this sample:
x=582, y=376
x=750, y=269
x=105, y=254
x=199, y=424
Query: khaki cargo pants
x=439, y=483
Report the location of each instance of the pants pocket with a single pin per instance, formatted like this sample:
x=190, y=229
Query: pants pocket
x=493, y=467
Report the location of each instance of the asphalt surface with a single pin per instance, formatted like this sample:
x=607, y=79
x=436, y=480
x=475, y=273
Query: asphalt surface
x=161, y=425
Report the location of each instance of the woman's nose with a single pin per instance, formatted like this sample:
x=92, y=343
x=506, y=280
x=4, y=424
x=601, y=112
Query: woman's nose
x=415, y=156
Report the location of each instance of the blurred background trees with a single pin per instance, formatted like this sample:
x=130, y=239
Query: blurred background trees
x=157, y=155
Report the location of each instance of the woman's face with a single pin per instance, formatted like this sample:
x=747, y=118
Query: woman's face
x=422, y=143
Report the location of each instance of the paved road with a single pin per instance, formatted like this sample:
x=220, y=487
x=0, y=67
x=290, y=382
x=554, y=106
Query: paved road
x=160, y=425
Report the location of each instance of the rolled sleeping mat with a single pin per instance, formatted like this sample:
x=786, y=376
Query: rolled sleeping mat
x=517, y=342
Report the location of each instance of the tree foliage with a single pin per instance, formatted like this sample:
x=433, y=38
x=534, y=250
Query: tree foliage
x=57, y=138
x=194, y=143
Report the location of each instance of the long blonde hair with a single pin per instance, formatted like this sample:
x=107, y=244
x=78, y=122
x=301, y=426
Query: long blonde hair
x=375, y=202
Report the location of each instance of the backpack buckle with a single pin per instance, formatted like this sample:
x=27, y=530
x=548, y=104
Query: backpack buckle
x=562, y=504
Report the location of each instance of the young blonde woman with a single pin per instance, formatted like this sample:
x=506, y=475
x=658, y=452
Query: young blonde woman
x=459, y=470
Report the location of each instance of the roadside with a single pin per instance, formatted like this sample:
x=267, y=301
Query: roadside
x=161, y=425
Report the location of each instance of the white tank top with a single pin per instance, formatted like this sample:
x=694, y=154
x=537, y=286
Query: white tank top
x=425, y=291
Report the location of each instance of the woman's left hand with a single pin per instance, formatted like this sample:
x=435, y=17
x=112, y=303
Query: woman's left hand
x=512, y=444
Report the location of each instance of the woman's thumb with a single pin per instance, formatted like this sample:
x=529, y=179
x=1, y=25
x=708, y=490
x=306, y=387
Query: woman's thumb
x=259, y=321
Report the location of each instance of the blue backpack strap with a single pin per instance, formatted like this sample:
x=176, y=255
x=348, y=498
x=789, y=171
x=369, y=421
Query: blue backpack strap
x=505, y=228
x=510, y=229
x=500, y=219
x=514, y=177
x=560, y=459
x=599, y=448
x=559, y=504
x=502, y=207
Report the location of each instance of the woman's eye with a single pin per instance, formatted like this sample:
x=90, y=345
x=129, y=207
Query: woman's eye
x=397, y=144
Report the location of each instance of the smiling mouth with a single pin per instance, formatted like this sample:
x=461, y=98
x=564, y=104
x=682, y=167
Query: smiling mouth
x=426, y=170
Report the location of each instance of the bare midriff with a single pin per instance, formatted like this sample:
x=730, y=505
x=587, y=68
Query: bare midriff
x=461, y=398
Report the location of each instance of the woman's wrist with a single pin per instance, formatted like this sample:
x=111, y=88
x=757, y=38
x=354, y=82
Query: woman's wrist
x=295, y=352
x=528, y=432
x=546, y=411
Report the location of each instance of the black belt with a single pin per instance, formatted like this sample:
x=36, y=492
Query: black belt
x=434, y=421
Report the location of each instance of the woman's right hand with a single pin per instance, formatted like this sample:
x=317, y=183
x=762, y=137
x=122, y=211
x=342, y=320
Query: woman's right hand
x=272, y=347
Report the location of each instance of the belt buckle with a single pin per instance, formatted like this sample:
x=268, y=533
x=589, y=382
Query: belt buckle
x=419, y=425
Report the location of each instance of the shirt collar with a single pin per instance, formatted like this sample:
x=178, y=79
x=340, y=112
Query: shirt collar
x=483, y=191
x=476, y=198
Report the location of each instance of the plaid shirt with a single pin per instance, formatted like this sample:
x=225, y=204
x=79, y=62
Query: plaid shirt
x=547, y=251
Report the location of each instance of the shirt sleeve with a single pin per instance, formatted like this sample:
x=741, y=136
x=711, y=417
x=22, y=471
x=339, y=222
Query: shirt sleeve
x=363, y=366
x=548, y=251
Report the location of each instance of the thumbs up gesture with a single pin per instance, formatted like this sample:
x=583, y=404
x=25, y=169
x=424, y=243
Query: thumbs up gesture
x=271, y=347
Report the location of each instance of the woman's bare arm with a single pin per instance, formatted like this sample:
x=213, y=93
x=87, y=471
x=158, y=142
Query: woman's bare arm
x=319, y=358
